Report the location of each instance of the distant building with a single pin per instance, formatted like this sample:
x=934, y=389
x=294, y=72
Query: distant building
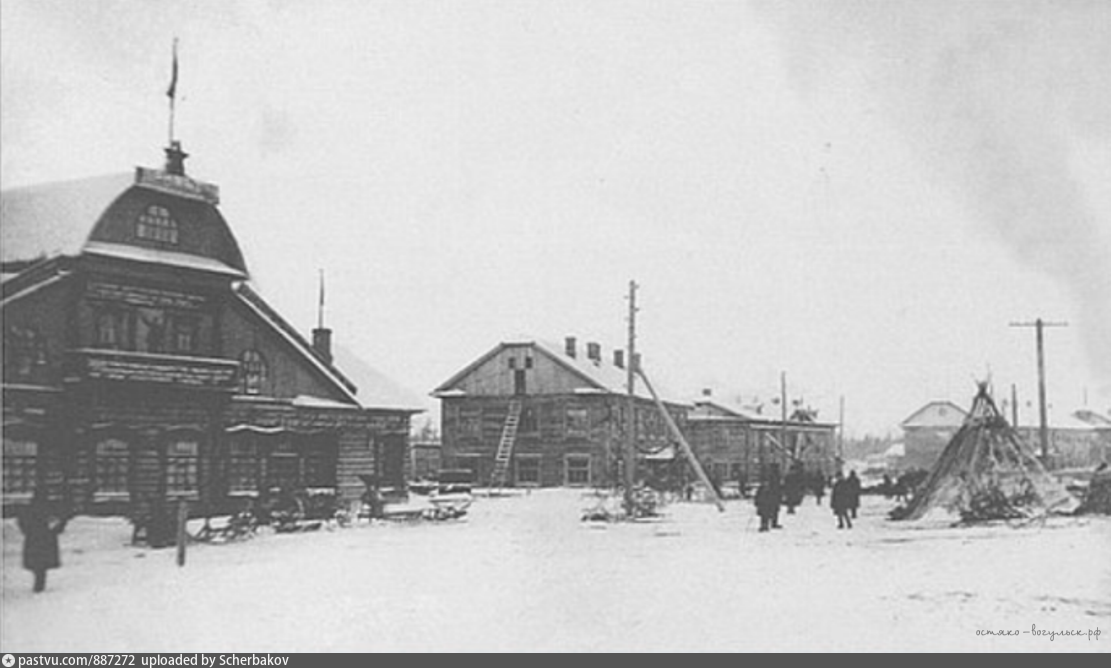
x=927, y=431
x=1080, y=439
x=557, y=413
x=736, y=443
x=141, y=366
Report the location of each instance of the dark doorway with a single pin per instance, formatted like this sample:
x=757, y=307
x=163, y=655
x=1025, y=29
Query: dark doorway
x=391, y=463
x=519, y=381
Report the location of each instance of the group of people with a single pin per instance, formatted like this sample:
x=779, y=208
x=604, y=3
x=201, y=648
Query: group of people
x=776, y=491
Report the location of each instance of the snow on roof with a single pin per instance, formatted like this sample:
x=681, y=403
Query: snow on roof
x=374, y=389
x=936, y=414
x=156, y=256
x=55, y=218
x=365, y=387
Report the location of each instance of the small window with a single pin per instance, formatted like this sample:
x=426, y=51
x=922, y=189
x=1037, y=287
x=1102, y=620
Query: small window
x=512, y=362
x=243, y=464
x=25, y=351
x=528, y=471
x=578, y=469
x=112, y=457
x=20, y=456
x=182, y=464
x=252, y=372
x=529, y=423
x=156, y=224
x=578, y=421
x=528, y=362
x=185, y=334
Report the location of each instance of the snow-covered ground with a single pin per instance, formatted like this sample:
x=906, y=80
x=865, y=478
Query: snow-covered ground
x=523, y=573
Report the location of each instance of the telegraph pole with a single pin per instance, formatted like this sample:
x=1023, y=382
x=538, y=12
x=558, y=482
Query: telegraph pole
x=783, y=411
x=1043, y=427
x=630, y=414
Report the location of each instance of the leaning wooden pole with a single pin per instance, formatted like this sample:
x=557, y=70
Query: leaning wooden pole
x=682, y=441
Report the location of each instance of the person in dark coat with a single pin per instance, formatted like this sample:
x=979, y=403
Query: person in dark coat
x=854, y=493
x=793, y=488
x=818, y=486
x=839, y=501
x=40, y=529
x=767, y=505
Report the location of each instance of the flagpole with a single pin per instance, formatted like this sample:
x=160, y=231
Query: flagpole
x=171, y=92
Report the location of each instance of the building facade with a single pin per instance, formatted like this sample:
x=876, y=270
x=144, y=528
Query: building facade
x=141, y=366
x=927, y=431
x=736, y=444
x=557, y=413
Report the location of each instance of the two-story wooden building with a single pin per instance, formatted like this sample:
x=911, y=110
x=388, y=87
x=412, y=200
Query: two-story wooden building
x=140, y=364
x=557, y=413
x=737, y=443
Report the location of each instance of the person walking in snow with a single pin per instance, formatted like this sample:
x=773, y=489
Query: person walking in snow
x=840, y=502
x=40, y=530
x=854, y=493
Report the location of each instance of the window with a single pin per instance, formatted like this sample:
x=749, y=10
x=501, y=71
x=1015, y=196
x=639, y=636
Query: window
x=112, y=459
x=110, y=328
x=156, y=224
x=20, y=455
x=578, y=420
x=528, y=470
x=318, y=454
x=182, y=458
x=470, y=423
x=512, y=362
x=25, y=351
x=184, y=337
x=528, y=362
x=252, y=372
x=243, y=464
x=529, y=423
x=283, y=470
x=578, y=469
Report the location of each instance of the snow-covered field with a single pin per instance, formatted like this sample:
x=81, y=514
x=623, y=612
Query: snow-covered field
x=523, y=573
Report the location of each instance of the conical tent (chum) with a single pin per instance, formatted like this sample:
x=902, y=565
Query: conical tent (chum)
x=986, y=472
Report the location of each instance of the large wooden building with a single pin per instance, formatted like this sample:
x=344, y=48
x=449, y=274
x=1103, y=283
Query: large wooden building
x=735, y=444
x=139, y=363
x=557, y=413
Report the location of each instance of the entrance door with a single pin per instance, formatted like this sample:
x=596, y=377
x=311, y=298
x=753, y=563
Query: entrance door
x=519, y=381
x=391, y=466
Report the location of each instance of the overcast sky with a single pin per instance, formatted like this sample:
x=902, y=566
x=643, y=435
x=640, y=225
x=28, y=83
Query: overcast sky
x=862, y=195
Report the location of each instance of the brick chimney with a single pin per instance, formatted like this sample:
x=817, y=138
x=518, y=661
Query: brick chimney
x=619, y=359
x=569, y=346
x=322, y=343
x=594, y=352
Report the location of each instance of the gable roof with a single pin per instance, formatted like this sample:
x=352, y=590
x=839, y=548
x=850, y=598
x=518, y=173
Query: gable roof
x=709, y=410
x=380, y=391
x=373, y=388
x=601, y=376
x=942, y=413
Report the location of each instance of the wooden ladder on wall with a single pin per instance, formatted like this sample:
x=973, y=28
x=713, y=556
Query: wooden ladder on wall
x=500, y=477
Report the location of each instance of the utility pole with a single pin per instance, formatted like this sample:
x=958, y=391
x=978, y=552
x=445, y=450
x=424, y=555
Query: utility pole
x=1043, y=427
x=783, y=412
x=1014, y=406
x=630, y=414
x=841, y=433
